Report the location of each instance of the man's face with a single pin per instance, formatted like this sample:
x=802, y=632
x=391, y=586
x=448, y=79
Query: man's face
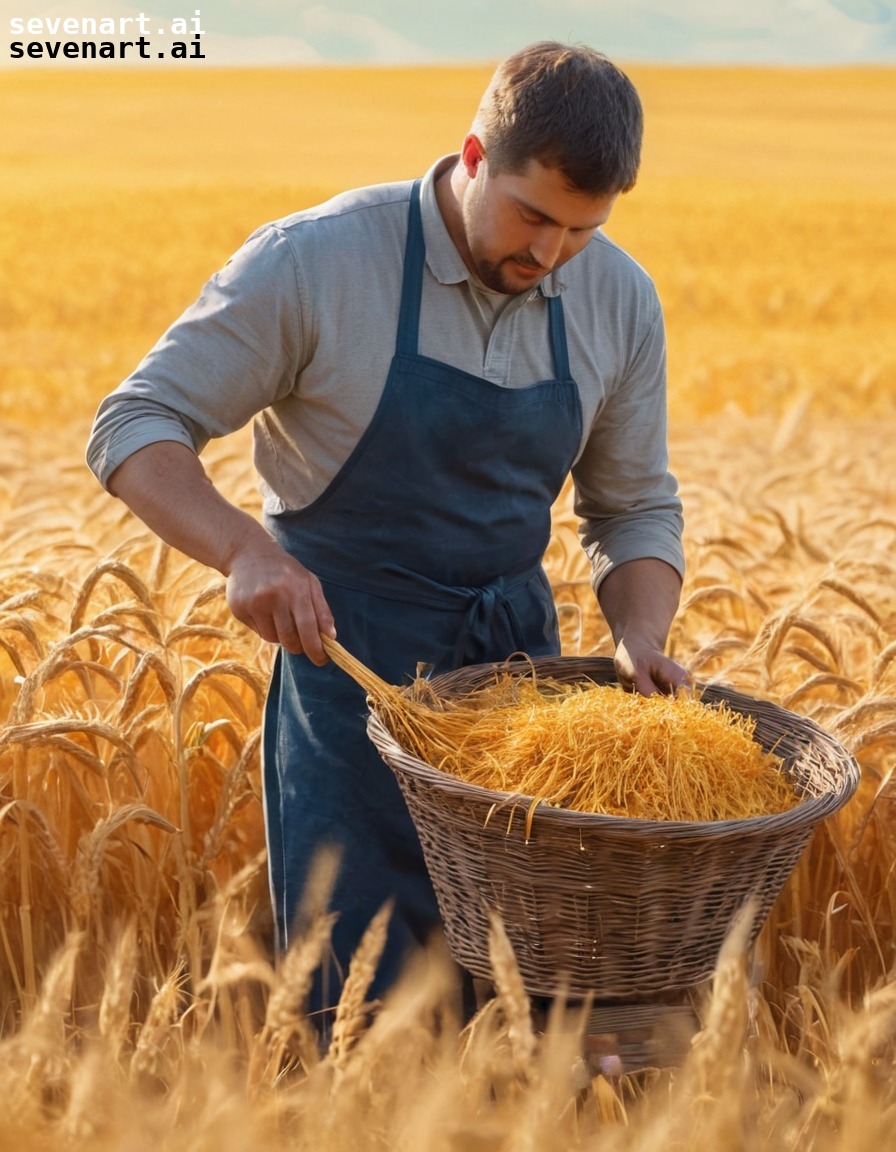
x=520, y=226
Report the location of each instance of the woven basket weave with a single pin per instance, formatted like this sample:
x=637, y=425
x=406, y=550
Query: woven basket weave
x=623, y=909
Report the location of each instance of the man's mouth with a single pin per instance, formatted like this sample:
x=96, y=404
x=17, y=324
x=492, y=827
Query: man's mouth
x=529, y=268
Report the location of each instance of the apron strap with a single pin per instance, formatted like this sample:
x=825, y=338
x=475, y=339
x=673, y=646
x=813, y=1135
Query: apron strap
x=559, y=346
x=412, y=280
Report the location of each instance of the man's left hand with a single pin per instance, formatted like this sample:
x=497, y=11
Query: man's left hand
x=641, y=668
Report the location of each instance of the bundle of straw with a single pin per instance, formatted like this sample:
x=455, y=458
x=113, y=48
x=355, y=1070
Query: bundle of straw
x=586, y=747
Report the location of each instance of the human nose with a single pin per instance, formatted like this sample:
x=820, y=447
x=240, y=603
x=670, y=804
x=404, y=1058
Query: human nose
x=547, y=246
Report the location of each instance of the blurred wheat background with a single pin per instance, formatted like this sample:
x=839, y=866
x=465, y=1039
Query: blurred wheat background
x=139, y=1006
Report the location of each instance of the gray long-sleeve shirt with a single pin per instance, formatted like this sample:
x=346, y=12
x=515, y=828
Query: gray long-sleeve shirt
x=298, y=329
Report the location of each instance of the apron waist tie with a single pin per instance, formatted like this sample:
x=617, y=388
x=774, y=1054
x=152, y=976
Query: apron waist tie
x=490, y=618
x=489, y=614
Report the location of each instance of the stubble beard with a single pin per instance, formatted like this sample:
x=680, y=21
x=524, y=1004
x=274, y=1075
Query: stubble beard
x=496, y=275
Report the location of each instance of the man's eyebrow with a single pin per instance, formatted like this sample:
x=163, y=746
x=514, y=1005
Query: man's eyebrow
x=527, y=207
x=533, y=211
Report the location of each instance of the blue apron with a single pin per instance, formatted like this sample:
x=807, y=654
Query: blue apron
x=428, y=544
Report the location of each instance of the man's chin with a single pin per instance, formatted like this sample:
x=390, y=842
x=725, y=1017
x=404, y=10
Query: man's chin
x=511, y=278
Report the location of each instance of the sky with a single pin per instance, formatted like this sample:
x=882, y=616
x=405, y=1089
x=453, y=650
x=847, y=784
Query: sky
x=386, y=32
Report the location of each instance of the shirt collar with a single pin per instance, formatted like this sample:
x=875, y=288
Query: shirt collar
x=442, y=258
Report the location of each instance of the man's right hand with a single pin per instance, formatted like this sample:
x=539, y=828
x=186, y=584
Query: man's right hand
x=279, y=598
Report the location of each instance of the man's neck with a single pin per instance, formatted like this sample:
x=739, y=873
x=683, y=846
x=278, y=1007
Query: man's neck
x=450, y=186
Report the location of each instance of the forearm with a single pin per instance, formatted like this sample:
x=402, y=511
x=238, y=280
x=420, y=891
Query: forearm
x=641, y=597
x=639, y=600
x=165, y=485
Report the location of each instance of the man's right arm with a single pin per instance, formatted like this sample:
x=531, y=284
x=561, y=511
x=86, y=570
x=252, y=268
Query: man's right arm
x=165, y=485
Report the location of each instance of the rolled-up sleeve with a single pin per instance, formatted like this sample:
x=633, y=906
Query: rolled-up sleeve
x=235, y=351
x=626, y=498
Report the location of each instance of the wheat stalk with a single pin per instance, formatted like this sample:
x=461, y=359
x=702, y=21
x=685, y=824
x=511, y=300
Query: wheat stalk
x=513, y=999
x=118, y=991
x=154, y=1039
x=286, y=1024
x=353, y=1012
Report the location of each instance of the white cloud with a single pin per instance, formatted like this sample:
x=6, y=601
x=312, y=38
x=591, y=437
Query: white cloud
x=358, y=35
x=255, y=50
x=770, y=31
x=345, y=29
x=871, y=11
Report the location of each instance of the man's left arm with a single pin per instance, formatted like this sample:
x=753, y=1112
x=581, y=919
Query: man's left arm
x=639, y=600
x=631, y=515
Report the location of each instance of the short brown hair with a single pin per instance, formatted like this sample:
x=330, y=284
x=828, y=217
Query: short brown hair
x=568, y=107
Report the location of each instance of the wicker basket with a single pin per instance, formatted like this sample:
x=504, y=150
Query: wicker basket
x=621, y=909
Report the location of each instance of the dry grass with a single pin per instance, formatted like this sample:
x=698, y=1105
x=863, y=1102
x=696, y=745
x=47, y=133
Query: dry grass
x=140, y=1005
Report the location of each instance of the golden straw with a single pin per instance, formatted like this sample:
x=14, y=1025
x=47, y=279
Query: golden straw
x=586, y=747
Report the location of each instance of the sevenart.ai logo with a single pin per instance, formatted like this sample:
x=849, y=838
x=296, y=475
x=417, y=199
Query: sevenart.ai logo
x=106, y=38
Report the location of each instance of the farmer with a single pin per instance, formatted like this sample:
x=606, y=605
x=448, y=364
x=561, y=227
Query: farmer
x=425, y=363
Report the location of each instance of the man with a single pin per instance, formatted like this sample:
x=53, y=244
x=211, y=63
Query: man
x=425, y=363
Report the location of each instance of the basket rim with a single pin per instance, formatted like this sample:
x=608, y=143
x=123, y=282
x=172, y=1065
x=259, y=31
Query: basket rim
x=809, y=810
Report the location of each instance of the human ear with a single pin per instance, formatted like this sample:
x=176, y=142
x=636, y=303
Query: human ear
x=472, y=154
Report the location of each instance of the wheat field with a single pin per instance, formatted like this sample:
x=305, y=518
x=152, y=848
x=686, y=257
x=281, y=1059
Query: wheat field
x=140, y=1004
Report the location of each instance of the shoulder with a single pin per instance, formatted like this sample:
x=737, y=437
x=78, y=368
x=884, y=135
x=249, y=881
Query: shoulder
x=358, y=230
x=370, y=216
x=606, y=259
x=605, y=288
